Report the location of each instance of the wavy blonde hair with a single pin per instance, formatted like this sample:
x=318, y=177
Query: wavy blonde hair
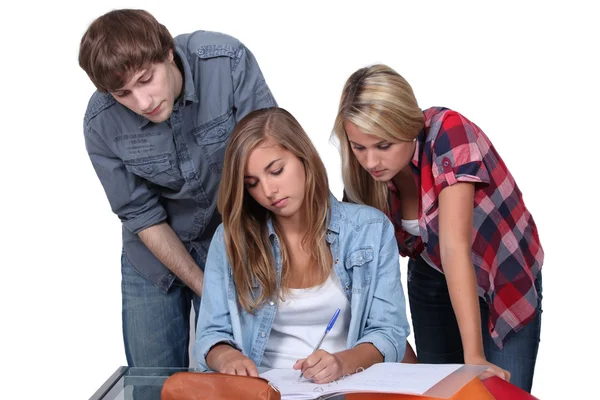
x=248, y=246
x=380, y=102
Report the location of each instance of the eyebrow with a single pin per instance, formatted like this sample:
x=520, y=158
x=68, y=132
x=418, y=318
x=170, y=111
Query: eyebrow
x=266, y=168
x=140, y=74
x=376, y=144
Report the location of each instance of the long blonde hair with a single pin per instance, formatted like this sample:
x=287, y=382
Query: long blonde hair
x=248, y=246
x=382, y=103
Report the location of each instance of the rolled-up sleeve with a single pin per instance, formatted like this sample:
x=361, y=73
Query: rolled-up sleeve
x=250, y=90
x=137, y=206
x=387, y=326
x=457, y=156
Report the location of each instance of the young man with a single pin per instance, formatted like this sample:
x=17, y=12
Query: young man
x=156, y=130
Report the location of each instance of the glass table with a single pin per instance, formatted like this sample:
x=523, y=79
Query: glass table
x=132, y=383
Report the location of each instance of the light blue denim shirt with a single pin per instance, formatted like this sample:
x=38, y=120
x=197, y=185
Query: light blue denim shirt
x=366, y=261
x=171, y=170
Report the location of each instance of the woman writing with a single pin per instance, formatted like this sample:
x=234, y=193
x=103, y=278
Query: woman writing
x=286, y=256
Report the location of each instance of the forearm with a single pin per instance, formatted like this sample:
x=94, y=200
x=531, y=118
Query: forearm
x=362, y=356
x=216, y=355
x=409, y=355
x=164, y=243
x=462, y=287
x=456, y=226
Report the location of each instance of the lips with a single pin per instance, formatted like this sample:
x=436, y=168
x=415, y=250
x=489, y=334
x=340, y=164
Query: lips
x=155, y=111
x=377, y=172
x=280, y=202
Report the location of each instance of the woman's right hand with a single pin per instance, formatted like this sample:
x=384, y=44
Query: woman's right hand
x=227, y=360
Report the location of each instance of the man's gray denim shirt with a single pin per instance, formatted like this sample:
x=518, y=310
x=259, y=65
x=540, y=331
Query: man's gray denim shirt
x=171, y=171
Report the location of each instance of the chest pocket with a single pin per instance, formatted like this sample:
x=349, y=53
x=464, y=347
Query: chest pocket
x=231, y=288
x=157, y=170
x=359, y=264
x=212, y=139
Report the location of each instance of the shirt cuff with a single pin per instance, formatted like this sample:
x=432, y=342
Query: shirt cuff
x=205, y=345
x=146, y=220
x=387, y=349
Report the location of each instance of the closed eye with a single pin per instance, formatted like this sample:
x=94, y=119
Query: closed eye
x=384, y=146
x=279, y=171
x=250, y=185
x=148, y=80
x=358, y=148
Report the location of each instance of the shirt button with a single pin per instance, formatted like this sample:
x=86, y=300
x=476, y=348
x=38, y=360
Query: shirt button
x=272, y=303
x=337, y=260
x=262, y=334
x=347, y=287
x=360, y=259
x=191, y=175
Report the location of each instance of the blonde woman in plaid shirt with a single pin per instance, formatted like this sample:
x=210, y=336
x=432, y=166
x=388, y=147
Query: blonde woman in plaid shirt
x=474, y=274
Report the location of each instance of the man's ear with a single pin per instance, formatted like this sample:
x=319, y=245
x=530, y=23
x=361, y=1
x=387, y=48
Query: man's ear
x=170, y=57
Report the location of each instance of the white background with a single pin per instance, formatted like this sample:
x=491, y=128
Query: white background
x=525, y=72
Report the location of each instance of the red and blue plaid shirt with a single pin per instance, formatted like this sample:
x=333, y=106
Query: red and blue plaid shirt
x=506, y=251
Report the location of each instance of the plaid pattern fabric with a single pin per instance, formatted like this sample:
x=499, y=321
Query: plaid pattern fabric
x=506, y=252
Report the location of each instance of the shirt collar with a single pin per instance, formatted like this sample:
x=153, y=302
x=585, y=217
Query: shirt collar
x=419, y=147
x=189, y=86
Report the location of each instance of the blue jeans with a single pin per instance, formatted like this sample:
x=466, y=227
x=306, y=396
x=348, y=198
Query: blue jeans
x=437, y=337
x=156, y=325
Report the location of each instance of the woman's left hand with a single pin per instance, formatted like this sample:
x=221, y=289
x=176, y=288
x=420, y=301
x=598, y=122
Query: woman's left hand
x=321, y=367
x=493, y=370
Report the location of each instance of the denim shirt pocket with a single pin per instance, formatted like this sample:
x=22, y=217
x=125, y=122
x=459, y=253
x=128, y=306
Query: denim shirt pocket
x=359, y=262
x=212, y=138
x=158, y=170
x=232, y=289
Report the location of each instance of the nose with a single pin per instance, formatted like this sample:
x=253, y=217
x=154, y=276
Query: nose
x=268, y=188
x=371, y=159
x=144, y=101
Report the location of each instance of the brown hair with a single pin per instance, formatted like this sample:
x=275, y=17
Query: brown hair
x=245, y=221
x=380, y=102
x=120, y=43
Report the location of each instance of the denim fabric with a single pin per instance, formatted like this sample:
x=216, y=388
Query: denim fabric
x=171, y=171
x=436, y=331
x=156, y=325
x=366, y=261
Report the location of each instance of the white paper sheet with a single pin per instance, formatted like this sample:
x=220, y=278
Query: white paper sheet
x=380, y=378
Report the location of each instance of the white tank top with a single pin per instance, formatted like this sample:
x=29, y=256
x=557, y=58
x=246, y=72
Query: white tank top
x=412, y=226
x=300, y=321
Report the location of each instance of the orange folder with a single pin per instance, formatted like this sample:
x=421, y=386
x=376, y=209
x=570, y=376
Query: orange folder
x=503, y=390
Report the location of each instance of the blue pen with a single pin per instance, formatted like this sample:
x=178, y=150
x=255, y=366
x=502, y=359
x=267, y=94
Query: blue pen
x=329, y=326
